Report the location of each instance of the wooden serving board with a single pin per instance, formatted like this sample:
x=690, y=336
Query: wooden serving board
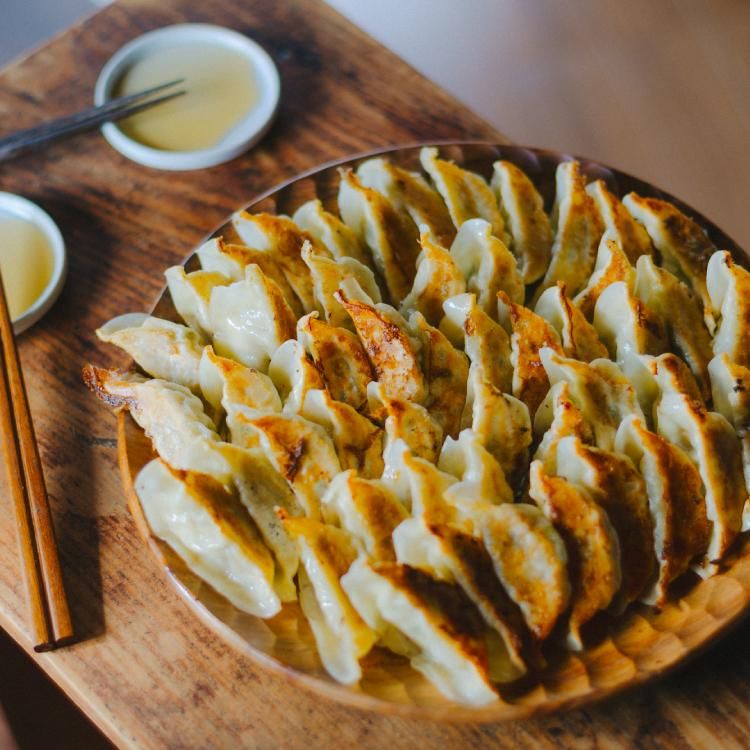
x=145, y=669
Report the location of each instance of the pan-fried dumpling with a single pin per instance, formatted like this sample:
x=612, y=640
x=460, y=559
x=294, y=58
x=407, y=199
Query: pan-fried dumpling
x=683, y=245
x=729, y=290
x=367, y=509
x=250, y=319
x=501, y=423
x=339, y=357
x=409, y=193
x=231, y=261
x=611, y=265
x=358, y=442
x=578, y=230
x=191, y=293
x=293, y=374
x=327, y=275
x=626, y=325
x=676, y=503
x=283, y=239
x=712, y=444
x=484, y=341
x=392, y=351
x=328, y=229
x=530, y=559
x=161, y=348
x=466, y=193
x=341, y=635
x=486, y=264
x=681, y=313
x=528, y=225
x=390, y=235
x=437, y=278
x=599, y=389
x=445, y=371
x=530, y=333
x=419, y=484
x=579, y=338
x=613, y=481
x=622, y=227
x=211, y=532
x=437, y=617
x=591, y=542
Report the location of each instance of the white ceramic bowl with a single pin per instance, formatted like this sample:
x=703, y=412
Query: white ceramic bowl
x=240, y=138
x=19, y=208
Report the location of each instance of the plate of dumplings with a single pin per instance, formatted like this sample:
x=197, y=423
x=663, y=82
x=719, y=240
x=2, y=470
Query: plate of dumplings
x=454, y=431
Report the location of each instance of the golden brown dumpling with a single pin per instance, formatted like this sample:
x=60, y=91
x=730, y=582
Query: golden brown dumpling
x=729, y=291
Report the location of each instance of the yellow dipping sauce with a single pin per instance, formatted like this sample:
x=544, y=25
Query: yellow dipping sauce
x=221, y=90
x=26, y=262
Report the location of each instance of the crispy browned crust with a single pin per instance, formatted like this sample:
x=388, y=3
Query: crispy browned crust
x=618, y=269
x=96, y=379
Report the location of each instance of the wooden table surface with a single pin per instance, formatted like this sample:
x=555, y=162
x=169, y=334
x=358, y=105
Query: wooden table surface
x=145, y=670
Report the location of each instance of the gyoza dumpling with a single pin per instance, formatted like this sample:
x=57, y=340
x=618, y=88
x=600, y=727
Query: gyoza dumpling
x=729, y=290
x=683, y=245
x=530, y=333
x=250, y=319
x=681, y=313
x=391, y=236
x=486, y=264
x=611, y=265
x=675, y=497
x=191, y=293
x=578, y=230
x=712, y=444
x=437, y=617
x=367, y=509
x=283, y=239
x=163, y=349
x=626, y=325
x=599, y=389
x=385, y=337
x=341, y=635
x=530, y=559
x=613, y=481
x=210, y=530
x=231, y=261
x=445, y=371
x=293, y=374
x=410, y=193
x=330, y=231
x=591, y=542
x=579, y=338
x=523, y=210
x=327, y=275
x=618, y=222
x=484, y=341
x=437, y=278
x=339, y=357
x=358, y=442
x=501, y=423
x=466, y=194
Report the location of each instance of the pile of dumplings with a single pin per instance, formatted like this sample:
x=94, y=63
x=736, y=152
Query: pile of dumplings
x=445, y=422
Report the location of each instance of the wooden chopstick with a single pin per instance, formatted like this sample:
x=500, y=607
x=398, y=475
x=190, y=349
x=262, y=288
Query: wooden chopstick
x=50, y=616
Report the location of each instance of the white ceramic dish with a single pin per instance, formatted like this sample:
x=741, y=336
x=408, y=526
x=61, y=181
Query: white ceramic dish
x=14, y=206
x=238, y=140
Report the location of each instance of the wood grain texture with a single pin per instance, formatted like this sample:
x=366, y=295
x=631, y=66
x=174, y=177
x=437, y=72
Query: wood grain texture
x=146, y=670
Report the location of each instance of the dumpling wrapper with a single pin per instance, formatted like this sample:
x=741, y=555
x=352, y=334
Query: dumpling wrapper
x=486, y=264
x=592, y=546
x=165, y=350
x=211, y=532
x=341, y=635
x=579, y=338
x=437, y=617
x=676, y=503
x=293, y=374
x=250, y=319
x=191, y=293
x=525, y=219
x=729, y=290
x=330, y=231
